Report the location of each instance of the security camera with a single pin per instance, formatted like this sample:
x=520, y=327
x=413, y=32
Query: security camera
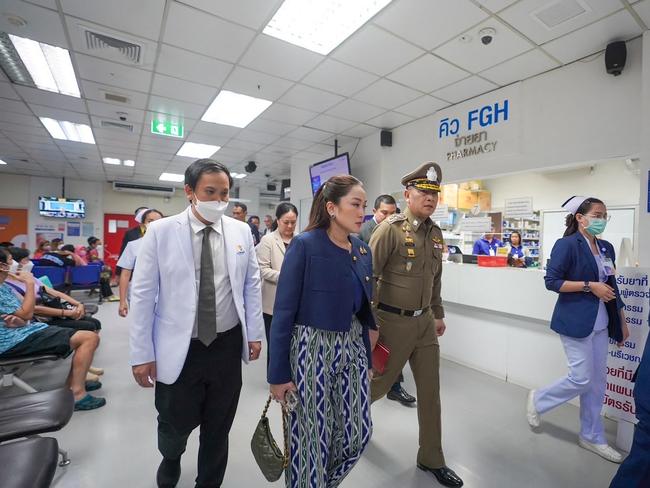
x=123, y=118
x=487, y=35
x=250, y=167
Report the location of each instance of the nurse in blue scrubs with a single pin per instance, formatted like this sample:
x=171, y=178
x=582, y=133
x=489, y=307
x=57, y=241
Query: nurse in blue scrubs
x=589, y=311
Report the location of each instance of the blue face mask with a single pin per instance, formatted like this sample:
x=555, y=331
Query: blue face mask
x=596, y=226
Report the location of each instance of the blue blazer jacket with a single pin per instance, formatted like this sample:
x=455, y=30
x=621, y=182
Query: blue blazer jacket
x=315, y=290
x=575, y=313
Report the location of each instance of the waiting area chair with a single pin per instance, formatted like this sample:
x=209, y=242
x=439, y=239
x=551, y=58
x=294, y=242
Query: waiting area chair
x=11, y=370
x=30, y=463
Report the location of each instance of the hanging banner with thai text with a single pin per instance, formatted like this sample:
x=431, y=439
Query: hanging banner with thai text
x=622, y=362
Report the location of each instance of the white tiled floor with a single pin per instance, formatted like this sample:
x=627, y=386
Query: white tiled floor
x=486, y=437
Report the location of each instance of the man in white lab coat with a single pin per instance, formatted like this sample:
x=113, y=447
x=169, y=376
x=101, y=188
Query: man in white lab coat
x=195, y=313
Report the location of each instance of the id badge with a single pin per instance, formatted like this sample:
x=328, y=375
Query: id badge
x=608, y=267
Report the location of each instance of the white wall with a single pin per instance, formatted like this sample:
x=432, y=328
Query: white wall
x=644, y=137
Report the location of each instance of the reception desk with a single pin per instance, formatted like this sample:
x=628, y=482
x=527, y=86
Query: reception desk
x=515, y=291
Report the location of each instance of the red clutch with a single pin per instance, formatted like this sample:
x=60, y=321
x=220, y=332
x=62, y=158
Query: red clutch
x=380, y=355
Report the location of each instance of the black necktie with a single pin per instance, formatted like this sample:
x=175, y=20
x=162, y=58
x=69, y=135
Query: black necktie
x=207, y=313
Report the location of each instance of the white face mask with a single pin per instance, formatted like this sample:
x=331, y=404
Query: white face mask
x=99, y=247
x=211, y=211
x=13, y=267
x=28, y=267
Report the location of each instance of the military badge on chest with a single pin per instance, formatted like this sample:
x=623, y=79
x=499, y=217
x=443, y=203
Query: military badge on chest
x=409, y=243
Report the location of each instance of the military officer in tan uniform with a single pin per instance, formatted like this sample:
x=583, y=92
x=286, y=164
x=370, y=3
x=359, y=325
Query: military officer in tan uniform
x=407, y=266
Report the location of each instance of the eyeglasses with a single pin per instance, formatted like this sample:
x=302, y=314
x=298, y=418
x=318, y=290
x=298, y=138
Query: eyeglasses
x=599, y=216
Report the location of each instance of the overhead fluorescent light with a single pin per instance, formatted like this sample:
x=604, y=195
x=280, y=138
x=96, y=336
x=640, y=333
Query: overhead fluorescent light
x=113, y=161
x=68, y=131
x=175, y=177
x=129, y=162
x=234, y=109
x=321, y=26
x=2, y=162
x=238, y=176
x=38, y=64
x=196, y=150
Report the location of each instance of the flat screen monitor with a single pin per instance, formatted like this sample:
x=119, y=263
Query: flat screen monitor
x=321, y=172
x=66, y=208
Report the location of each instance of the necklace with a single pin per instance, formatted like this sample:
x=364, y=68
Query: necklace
x=347, y=245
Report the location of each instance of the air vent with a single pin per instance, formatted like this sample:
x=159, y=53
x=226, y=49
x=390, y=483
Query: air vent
x=129, y=50
x=143, y=188
x=112, y=97
x=107, y=124
x=559, y=12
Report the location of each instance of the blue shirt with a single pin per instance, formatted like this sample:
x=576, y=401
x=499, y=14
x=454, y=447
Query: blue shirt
x=517, y=251
x=11, y=336
x=482, y=247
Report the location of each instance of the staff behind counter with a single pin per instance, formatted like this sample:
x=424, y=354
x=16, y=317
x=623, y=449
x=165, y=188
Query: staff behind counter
x=488, y=245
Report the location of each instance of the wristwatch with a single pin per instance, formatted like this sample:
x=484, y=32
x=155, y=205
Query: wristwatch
x=587, y=287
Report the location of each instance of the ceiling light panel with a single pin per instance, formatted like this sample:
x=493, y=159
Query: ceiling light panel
x=68, y=131
x=234, y=109
x=38, y=64
x=320, y=25
x=196, y=150
x=175, y=177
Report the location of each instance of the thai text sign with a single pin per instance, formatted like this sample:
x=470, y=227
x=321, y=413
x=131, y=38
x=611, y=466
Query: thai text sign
x=623, y=362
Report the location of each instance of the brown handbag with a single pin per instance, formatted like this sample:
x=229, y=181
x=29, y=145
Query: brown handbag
x=269, y=457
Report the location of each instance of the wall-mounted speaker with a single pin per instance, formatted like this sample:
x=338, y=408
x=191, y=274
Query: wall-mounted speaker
x=615, y=57
x=386, y=138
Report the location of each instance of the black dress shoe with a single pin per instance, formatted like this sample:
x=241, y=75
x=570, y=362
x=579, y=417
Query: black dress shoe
x=444, y=475
x=169, y=472
x=402, y=396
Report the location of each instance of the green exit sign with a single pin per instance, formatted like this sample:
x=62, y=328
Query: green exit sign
x=166, y=127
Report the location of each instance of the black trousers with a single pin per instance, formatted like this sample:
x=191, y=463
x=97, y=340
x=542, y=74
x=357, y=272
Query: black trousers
x=205, y=394
x=267, y=327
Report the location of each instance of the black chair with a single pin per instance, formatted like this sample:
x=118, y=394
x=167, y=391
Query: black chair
x=30, y=463
x=35, y=414
x=12, y=368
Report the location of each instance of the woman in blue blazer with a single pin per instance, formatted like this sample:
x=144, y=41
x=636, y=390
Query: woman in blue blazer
x=588, y=310
x=320, y=345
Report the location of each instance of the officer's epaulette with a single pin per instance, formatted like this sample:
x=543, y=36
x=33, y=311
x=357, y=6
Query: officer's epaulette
x=397, y=217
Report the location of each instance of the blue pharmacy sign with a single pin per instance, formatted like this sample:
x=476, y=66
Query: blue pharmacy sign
x=478, y=118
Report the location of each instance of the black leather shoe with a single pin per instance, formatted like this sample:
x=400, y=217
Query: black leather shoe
x=444, y=475
x=402, y=396
x=169, y=472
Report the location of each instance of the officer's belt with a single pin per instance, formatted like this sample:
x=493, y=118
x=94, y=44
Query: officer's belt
x=399, y=311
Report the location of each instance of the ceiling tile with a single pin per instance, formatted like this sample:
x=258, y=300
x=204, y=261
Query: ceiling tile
x=197, y=31
x=331, y=124
x=285, y=113
x=594, y=38
x=144, y=18
x=59, y=114
x=474, y=56
x=355, y=110
x=43, y=25
x=422, y=106
x=376, y=50
x=339, y=78
x=496, y=5
x=37, y=129
x=428, y=73
x=308, y=134
x=7, y=91
x=42, y=97
x=310, y=98
x=256, y=136
x=187, y=91
x=177, y=108
x=467, y=88
x=252, y=13
x=19, y=119
x=643, y=9
x=360, y=131
x=109, y=73
x=519, y=68
x=191, y=66
x=519, y=16
x=107, y=134
x=97, y=91
x=214, y=140
x=421, y=22
x=291, y=143
x=342, y=141
x=279, y=58
x=387, y=94
x=245, y=145
x=390, y=120
x=271, y=126
x=255, y=84
x=14, y=106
